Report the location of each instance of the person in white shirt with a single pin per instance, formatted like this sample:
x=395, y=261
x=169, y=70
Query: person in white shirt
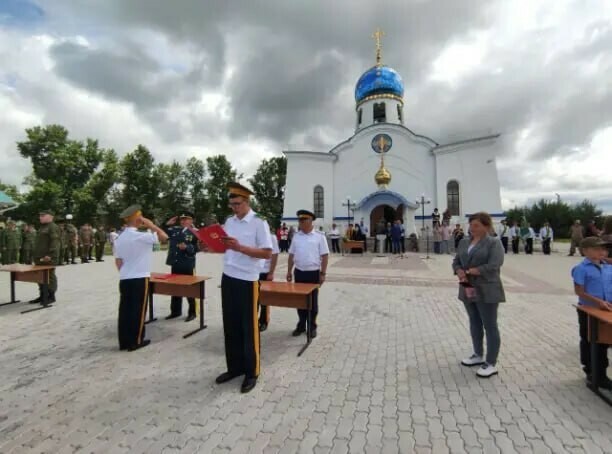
x=503, y=232
x=546, y=235
x=528, y=237
x=309, y=253
x=248, y=244
x=515, y=234
x=133, y=253
x=334, y=236
x=365, y=231
x=267, y=274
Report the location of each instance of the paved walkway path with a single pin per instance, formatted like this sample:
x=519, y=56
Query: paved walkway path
x=382, y=376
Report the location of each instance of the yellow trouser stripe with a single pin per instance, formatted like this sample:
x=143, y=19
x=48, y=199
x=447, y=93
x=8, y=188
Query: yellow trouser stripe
x=143, y=311
x=256, y=325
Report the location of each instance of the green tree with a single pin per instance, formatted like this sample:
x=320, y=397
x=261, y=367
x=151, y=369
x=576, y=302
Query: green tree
x=195, y=174
x=220, y=173
x=91, y=201
x=172, y=190
x=268, y=184
x=55, y=158
x=139, y=179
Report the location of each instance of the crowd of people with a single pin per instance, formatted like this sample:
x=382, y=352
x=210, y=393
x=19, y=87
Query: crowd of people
x=86, y=243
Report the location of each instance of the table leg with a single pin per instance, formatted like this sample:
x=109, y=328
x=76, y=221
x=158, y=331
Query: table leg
x=202, y=325
x=13, y=300
x=308, y=327
x=45, y=295
x=595, y=359
x=151, y=292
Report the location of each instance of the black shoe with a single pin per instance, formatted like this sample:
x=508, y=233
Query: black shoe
x=605, y=383
x=262, y=326
x=313, y=333
x=144, y=343
x=84, y=261
x=50, y=298
x=190, y=317
x=99, y=260
x=227, y=376
x=248, y=384
x=73, y=262
x=35, y=301
x=296, y=332
x=171, y=316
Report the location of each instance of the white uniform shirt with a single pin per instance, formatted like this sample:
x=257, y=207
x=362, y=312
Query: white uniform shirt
x=530, y=233
x=503, y=231
x=334, y=234
x=514, y=231
x=544, y=234
x=275, y=251
x=307, y=249
x=135, y=249
x=113, y=237
x=250, y=231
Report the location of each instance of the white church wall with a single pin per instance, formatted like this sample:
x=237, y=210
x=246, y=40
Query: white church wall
x=475, y=170
x=304, y=172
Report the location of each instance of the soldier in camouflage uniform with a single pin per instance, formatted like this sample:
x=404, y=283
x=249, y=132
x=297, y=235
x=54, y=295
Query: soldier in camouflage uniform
x=47, y=252
x=85, y=238
x=73, y=241
x=12, y=243
x=27, y=244
x=63, y=242
x=100, y=242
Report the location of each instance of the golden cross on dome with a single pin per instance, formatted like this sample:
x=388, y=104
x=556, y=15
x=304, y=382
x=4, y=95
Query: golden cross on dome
x=377, y=35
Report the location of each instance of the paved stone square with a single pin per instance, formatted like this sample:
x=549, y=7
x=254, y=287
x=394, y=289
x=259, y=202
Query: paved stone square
x=383, y=376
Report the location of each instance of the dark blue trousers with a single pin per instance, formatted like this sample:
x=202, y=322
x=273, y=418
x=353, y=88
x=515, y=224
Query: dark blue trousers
x=308, y=277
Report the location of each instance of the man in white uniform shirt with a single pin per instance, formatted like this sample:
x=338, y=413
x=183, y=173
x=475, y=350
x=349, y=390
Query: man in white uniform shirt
x=133, y=253
x=309, y=253
x=267, y=274
x=503, y=232
x=249, y=243
x=546, y=236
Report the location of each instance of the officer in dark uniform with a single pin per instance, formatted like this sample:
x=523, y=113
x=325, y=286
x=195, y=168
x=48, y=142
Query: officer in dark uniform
x=47, y=252
x=182, y=249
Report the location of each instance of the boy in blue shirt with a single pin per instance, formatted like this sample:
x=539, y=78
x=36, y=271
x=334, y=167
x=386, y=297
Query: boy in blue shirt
x=593, y=285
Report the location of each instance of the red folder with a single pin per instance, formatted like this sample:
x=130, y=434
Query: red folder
x=211, y=237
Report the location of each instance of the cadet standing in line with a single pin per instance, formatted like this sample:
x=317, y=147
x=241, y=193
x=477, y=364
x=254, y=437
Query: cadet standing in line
x=85, y=238
x=546, y=235
x=267, y=274
x=310, y=253
x=47, y=252
x=100, y=242
x=248, y=242
x=504, y=233
x=73, y=241
x=27, y=245
x=182, y=250
x=133, y=254
x=63, y=241
x=515, y=234
x=12, y=243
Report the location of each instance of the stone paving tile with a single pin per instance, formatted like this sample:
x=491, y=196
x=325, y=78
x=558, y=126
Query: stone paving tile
x=383, y=376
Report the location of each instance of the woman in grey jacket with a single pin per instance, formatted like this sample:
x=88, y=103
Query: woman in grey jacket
x=477, y=265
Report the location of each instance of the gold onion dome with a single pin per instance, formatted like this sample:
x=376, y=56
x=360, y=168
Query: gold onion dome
x=383, y=176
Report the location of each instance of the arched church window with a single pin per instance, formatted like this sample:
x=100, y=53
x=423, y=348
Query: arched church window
x=359, y=115
x=380, y=114
x=399, y=114
x=452, y=197
x=319, y=207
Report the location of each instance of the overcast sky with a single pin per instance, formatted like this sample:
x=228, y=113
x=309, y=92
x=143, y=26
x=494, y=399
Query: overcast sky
x=250, y=78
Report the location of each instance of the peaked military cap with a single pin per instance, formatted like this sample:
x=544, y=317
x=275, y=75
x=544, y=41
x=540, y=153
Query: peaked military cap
x=41, y=212
x=236, y=190
x=130, y=211
x=305, y=214
x=186, y=214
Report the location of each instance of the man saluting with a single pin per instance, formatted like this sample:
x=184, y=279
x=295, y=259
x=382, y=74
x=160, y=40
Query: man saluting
x=309, y=252
x=182, y=258
x=133, y=254
x=248, y=242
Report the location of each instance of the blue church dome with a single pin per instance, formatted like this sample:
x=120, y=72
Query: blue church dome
x=379, y=80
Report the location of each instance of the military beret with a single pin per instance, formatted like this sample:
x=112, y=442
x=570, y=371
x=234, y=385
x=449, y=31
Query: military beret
x=592, y=242
x=305, y=214
x=238, y=190
x=186, y=214
x=130, y=211
x=42, y=212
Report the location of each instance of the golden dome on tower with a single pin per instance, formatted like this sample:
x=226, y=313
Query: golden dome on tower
x=383, y=176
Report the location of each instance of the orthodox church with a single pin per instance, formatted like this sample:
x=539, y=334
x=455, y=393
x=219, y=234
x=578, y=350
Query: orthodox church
x=387, y=171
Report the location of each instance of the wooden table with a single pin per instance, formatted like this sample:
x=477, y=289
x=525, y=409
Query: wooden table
x=600, y=332
x=186, y=285
x=289, y=294
x=38, y=274
x=348, y=245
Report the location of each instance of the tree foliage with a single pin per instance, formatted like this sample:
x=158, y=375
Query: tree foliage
x=220, y=173
x=268, y=184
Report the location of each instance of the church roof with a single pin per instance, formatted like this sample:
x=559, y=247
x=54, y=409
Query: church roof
x=377, y=80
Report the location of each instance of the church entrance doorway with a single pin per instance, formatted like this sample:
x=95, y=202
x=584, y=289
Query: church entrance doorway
x=386, y=213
